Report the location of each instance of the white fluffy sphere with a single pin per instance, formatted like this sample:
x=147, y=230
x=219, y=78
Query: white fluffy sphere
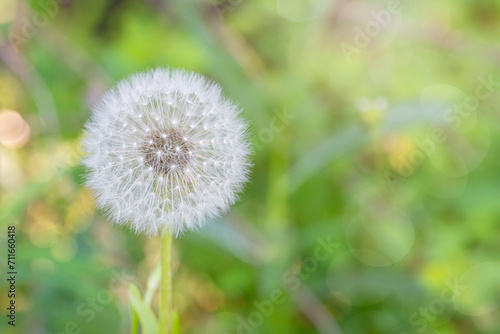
x=165, y=152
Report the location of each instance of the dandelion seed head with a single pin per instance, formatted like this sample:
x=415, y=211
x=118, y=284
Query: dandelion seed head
x=152, y=146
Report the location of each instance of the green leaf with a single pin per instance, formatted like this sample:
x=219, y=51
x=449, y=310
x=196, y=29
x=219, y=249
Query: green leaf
x=146, y=316
x=153, y=283
x=134, y=321
x=176, y=326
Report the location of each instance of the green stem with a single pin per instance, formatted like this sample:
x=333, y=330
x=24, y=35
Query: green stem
x=165, y=313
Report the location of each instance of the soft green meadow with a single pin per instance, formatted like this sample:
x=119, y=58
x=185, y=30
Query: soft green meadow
x=373, y=200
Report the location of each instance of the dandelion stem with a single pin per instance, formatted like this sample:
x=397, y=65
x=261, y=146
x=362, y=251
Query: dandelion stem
x=165, y=313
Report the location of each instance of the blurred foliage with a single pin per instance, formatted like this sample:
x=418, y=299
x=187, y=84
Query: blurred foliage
x=345, y=153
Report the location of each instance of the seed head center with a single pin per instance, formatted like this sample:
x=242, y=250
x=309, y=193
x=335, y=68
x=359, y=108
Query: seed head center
x=166, y=151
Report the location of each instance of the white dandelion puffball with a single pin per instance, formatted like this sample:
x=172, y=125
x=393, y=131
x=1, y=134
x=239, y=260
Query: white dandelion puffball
x=166, y=151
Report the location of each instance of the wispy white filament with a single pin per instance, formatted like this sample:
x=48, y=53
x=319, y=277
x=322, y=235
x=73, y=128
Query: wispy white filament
x=165, y=149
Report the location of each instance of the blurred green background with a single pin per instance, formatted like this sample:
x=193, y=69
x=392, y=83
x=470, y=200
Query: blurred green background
x=373, y=205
